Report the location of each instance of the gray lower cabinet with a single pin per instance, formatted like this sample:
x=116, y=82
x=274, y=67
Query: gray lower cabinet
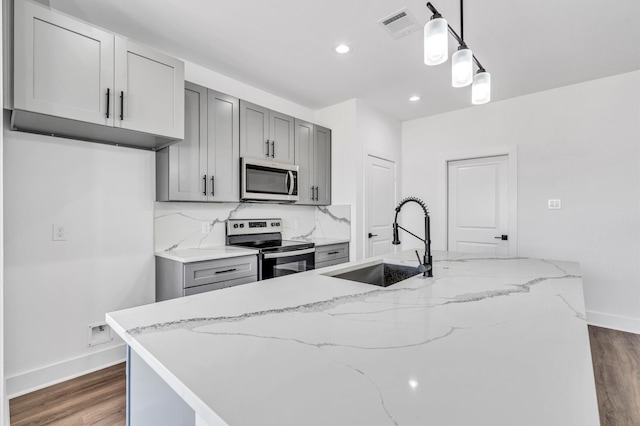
x=177, y=279
x=266, y=134
x=333, y=254
x=205, y=165
x=313, y=156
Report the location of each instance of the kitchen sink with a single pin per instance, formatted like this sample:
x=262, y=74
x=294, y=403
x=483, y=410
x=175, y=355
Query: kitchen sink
x=382, y=274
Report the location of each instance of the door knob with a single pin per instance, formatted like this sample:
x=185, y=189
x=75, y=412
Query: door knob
x=372, y=235
x=502, y=237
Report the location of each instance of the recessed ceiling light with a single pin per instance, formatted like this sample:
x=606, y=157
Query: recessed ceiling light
x=414, y=98
x=342, y=49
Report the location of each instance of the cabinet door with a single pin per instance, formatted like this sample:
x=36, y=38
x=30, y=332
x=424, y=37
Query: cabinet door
x=62, y=67
x=188, y=158
x=149, y=90
x=304, y=152
x=322, y=156
x=254, y=131
x=224, y=148
x=281, y=133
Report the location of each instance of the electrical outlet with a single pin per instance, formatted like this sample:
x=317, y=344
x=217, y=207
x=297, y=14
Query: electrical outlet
x=554, y=204
x=206, y=228
x=59, y=233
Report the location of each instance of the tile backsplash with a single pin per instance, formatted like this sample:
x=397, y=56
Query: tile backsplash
x=196, y=225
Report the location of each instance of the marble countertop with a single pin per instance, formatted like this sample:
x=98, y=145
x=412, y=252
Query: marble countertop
x=484, y=342
x=205, y=253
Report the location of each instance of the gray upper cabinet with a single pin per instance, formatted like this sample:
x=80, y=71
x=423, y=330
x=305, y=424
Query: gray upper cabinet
x=149, y=90
x=205, y=165
x=305, y=161
x=223, y=157
x=266, y=134
x=313, y=156
x=63, y=67
x=322, y=167
x=70, y=70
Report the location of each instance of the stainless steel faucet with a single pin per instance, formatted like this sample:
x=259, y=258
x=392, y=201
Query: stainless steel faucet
x=427, y=262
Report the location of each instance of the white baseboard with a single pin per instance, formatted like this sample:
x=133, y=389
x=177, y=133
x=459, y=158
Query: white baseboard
x=56, y=373
x=615, y=322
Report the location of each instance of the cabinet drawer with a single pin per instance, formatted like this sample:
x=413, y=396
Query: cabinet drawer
x=216, y=271
x=332, y=252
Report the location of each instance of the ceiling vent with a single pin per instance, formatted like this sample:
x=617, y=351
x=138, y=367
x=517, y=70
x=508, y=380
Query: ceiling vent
x=400, y=24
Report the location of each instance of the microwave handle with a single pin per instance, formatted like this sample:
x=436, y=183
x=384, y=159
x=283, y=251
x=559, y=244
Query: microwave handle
x=289, y=182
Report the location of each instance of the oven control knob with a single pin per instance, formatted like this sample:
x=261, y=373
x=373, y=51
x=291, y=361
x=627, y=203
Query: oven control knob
x=277, y=223
x=235, y=225
x=242, y=225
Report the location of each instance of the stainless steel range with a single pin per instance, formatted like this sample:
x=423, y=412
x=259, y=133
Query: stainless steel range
x=277, y=257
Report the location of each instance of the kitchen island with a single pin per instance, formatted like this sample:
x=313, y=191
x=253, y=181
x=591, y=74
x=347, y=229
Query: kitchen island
x=483, y=342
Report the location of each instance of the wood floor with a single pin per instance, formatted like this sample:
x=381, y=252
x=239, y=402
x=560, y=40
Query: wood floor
x=616, y=366
x=99, y=398
x=95, y=399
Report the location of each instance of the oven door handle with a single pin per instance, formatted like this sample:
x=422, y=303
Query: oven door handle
x=289, y=253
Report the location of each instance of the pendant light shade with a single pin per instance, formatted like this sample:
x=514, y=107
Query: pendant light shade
x=481, y=89
x=462, y=67
x=436, y=43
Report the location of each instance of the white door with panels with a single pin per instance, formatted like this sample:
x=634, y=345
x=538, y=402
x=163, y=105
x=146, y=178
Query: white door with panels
x=478, y=206
x=380, y=192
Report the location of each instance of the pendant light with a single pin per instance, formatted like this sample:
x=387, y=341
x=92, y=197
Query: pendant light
x=436, y=42
x=436, y=52
x=481, y=89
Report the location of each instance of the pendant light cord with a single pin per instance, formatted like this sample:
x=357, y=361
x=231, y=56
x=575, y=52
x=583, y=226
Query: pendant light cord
x=461, y=23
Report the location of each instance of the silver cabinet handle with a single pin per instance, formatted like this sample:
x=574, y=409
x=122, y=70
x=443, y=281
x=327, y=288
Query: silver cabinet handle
x=267, y=147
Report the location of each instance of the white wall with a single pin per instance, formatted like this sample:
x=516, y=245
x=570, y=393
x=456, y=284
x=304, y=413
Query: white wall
x=357, y=130
x=578, y=143
x=104, y=196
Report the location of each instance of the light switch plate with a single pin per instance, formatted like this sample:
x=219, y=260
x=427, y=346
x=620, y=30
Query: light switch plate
x=554, y=204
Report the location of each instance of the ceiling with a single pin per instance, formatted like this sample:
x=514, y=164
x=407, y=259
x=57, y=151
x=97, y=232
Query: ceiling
x=285, y=47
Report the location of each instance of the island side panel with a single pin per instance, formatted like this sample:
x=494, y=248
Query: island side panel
x=150, y=400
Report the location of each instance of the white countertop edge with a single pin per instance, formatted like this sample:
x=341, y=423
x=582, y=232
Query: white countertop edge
x=319, y=242
x=205, y=253
x=198, y=406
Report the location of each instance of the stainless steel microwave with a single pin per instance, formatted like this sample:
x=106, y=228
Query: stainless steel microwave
x=267, y=181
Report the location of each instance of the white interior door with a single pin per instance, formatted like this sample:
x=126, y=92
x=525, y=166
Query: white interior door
x=478, y=206
x=380, y=201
